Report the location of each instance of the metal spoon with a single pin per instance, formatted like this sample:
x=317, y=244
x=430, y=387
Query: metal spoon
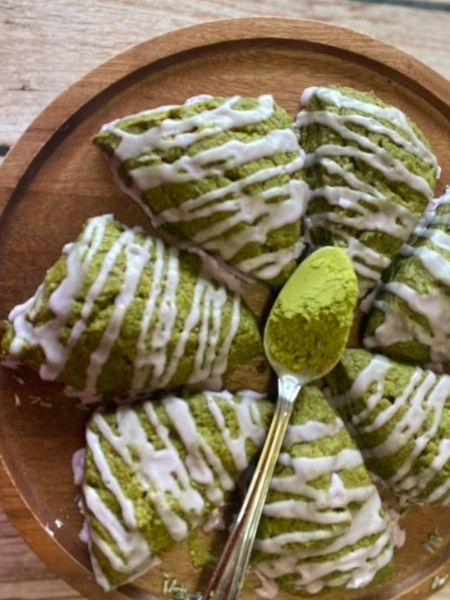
x=229, y=574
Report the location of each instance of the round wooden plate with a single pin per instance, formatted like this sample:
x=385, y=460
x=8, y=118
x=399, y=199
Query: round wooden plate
x=54, y=179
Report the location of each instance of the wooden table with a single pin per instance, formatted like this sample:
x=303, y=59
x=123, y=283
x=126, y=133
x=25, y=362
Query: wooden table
x=46, y=46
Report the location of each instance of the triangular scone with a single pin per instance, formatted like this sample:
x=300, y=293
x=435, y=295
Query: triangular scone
x=371, y=172
x=399, y=415
x=223, y=173
x=410, y=319
x=122, y=312
x=154, y=471
x=324, y=525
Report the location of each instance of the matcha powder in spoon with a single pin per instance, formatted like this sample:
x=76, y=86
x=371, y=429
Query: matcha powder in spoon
x=310, y=321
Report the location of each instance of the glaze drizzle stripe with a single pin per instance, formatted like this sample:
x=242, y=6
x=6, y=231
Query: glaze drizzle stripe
x=174, y=133
x=417, y=411
x=338, y=99
x=432, y=249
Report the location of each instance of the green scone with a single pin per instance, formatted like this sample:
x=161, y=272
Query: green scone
x=371, y=172
x=410, y=319
x=122, y=312
x=154, y=471
x=323, y=525
x=399, y=415
x=222, y=173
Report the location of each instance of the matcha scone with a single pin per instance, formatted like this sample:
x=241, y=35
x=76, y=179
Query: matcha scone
x=222, y=173
x=410, y=318
x=371, y=174
x=323, y=525
x=399, y=415
x=122, y=312
x=154, y=471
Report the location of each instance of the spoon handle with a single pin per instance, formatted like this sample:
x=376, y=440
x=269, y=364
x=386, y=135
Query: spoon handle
x=230, y=571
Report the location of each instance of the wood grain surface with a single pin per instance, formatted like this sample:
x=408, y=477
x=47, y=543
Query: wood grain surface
x=46, y=46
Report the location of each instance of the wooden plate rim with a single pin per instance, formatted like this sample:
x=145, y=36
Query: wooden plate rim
x=60, y=117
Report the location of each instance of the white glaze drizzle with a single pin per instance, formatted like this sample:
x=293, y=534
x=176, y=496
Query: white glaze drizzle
x=79, y=260
x=433, y=251
x=137, y=258
x=167, y=315
x=221, y=271
x=311, y=431
x=396, y=171
x=203, y=463
x=268, y=588
x=344, y=527
x=271, y=209
x=143, y=361
x=356, y=568
x=376, y=113
x=78, y=466
x=126, y=505
x=306, y=469
x=307, y=511
x=154, y=366
x=247, y=420
x=265, y=266
x=365, y=208
x=131, y=543
x=387, y=216
x=176, y=133
x=164, y=474
x=423, y=400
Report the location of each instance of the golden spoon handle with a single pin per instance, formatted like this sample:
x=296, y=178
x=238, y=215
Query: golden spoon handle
x=230, y=571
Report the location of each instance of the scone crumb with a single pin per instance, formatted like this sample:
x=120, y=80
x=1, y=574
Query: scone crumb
x=438, y=582
x=433, y=542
